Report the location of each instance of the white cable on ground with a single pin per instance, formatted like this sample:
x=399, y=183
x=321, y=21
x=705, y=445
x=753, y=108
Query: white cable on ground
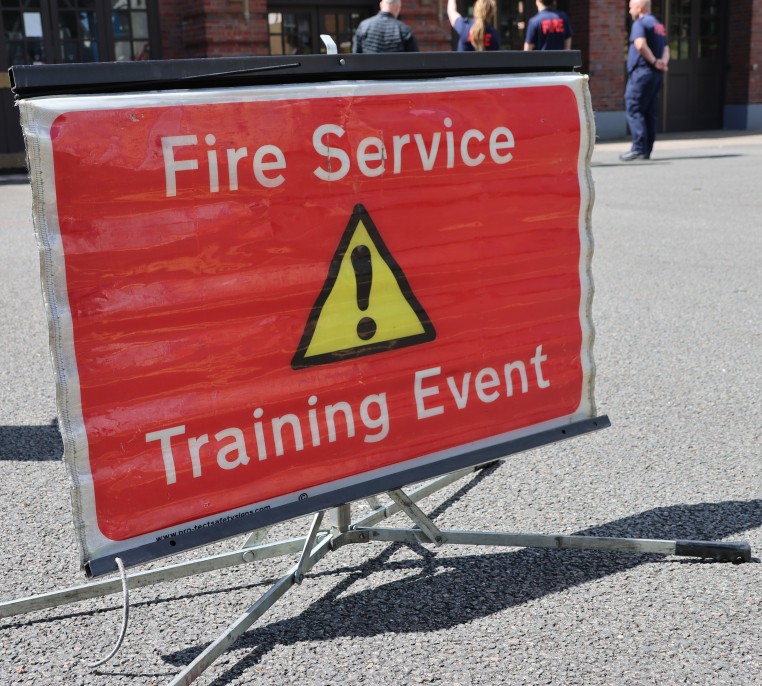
x=125, y=616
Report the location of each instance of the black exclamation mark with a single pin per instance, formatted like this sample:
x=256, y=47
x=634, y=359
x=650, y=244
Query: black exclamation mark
x=361, y=262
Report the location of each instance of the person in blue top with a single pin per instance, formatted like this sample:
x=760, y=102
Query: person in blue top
x=549, y=29
x=478, y=33
x=647, y=62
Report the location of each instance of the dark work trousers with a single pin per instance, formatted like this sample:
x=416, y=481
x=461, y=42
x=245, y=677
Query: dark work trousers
x=641, y=100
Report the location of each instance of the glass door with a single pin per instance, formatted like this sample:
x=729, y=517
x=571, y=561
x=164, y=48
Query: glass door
x=68, y=31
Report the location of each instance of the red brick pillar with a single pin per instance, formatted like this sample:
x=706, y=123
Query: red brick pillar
x=171, y=25
x=429, y=23
x=213, y=28
x=755, y=77
x=600, y=32
x=743, y=91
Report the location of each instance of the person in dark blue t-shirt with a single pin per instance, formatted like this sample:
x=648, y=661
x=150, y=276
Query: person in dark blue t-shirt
x=478, y=33
x=647, y=61
x=549, y=29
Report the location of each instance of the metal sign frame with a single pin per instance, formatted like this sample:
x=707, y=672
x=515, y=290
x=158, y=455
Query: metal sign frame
x=40, y=91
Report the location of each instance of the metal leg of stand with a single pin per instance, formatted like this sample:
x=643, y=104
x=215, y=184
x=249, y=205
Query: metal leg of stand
x=340, y=518
x=240, y=625
x=256, y=537
x=381, y=513
x=304, y=561
x=156, y=576
x=737, y=552
x=415, y=513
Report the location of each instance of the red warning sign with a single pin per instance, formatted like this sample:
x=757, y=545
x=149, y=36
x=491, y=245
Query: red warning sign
x=259, y=294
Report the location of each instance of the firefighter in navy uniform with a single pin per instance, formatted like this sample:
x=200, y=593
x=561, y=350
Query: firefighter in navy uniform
x=549, y=29
x=647, y=62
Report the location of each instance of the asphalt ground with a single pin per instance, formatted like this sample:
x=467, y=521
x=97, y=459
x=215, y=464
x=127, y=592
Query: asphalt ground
x=678, y=315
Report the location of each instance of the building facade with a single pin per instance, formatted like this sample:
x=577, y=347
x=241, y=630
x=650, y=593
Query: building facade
x=714, y=82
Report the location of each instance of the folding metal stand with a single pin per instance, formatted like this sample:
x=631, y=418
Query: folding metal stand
x=342, y=531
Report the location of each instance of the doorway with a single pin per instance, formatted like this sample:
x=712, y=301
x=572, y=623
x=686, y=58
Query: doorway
x=694, y=88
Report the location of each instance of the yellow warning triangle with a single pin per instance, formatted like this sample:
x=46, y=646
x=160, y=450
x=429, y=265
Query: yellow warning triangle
x=366, y=305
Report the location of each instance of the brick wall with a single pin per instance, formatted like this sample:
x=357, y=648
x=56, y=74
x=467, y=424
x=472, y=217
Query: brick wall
x=578, y=15
x=755, y=55
x=738, y=52
x=600, y=32
x=744, y=53
x=429, y=22
x=213, y=28
x=171, y=30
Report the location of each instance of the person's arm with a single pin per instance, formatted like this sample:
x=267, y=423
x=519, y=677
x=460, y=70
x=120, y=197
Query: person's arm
x=409, y=43
x=357, y=42
x=530, y=41
x=452, y=12
x=665, y=58
x=659, y=63
x=568, y=31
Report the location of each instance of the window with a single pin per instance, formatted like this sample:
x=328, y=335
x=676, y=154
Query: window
x=23, y=32
x=679, y=30
x=78, y=32
x=295, y=28
x=290, y=32
x=709, y=30
x=341, y=24
x=61, y=31
x=129, y=22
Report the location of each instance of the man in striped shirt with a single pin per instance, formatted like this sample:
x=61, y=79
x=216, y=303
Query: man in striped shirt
x=384, y=32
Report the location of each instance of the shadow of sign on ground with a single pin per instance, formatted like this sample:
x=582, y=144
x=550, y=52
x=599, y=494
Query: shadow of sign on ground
x=662, y=160
x=31, y=443
x=442, y=592
x=439, y=592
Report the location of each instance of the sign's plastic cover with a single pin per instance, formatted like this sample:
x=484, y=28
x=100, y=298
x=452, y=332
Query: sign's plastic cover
x=258, y=295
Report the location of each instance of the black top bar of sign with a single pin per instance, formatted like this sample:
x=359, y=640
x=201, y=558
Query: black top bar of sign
x=120, y=77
